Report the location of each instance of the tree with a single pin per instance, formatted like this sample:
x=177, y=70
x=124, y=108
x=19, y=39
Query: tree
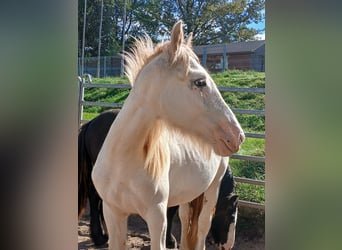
x=211, y=21
x=233, y=26
x=141, y=18
x=215, y=21
x=110, y=31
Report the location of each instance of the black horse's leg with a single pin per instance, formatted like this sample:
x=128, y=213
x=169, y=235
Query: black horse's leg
x=171, y=241
x=96, y=216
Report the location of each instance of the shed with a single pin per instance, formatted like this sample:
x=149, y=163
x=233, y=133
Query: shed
x=249, y=55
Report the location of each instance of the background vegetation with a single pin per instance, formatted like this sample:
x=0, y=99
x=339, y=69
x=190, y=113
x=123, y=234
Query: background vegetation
x=211, y=22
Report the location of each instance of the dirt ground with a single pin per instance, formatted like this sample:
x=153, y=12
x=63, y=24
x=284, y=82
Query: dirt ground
x=138, y=237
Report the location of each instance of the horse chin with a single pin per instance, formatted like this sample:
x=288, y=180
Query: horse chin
x=222, y=149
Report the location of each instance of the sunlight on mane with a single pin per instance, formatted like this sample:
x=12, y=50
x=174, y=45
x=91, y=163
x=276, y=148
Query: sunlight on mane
x=144, y=51
x=156, y=153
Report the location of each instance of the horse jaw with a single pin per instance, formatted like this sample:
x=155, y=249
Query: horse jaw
x=228, y=138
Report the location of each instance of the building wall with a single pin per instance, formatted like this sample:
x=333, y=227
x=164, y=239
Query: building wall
x=214, y=63
x=258, y=59
x=214, y=55
x=242, y=61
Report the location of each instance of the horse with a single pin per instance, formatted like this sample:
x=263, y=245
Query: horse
x=90, y=138
x=173, y=116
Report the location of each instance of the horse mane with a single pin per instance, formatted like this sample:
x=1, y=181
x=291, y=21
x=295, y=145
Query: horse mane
x=144, y=51
x=155, y=150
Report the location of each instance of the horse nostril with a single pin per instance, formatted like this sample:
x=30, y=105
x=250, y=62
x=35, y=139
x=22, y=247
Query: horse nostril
x=241, y=137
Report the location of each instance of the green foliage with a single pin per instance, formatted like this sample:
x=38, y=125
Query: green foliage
x=248, y=169
x=250, y=192
x=211, y=22
x=238, y=78
x=252, y=101
x=253, y=146
x=214, y=21
x=88, y=116
x=104, y=95
x=112, y=80
x=252, y=123
x=111, y=40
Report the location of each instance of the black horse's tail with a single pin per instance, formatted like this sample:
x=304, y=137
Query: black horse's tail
x=84, y=171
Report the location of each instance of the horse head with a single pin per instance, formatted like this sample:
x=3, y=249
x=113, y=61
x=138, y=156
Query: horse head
x=182, y=93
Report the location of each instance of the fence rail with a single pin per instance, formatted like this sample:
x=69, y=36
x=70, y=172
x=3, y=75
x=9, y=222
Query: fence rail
x=127, y=86
x=83, y=84
x=118, y=105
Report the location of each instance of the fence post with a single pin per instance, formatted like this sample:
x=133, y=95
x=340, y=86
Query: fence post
x=105, y=66
x=80, y=99
x=224, y=58
x=204, y=57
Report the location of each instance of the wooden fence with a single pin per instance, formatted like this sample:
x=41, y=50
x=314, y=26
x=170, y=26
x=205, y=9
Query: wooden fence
x=86, y=82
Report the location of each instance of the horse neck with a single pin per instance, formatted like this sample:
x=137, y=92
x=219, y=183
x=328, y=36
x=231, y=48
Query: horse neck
x=132, y=125
x=138, y=135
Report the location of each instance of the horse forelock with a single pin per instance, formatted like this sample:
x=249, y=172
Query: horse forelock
x=144, y=52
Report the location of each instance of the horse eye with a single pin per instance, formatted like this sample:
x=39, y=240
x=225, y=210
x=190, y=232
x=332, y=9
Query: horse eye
x=200, y=83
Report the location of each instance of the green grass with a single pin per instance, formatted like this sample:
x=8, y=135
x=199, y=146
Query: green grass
x=112, y=80
x=253, y=101
x=238, y=78
x=249, y=123
x=250, y=192
x=253, y=146
x=89, y=116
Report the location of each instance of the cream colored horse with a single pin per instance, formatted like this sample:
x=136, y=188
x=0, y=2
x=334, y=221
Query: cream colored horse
x=174, y=112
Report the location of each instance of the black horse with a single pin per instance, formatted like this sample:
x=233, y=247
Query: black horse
x=90, y=139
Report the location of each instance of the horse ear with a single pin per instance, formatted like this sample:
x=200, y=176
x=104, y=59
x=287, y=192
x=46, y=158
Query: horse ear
x=189, y=40
x=176, y=39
